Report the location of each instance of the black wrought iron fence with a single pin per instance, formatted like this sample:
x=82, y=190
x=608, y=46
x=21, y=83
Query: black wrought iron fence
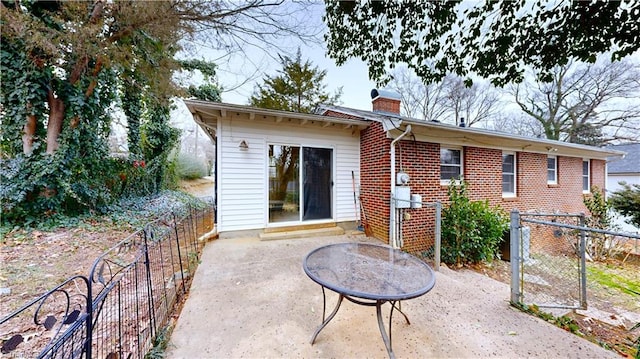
x=128, y=296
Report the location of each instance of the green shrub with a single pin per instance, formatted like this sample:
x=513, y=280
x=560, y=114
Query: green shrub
x=471, y=230
x=600, y=246
x=189, y=167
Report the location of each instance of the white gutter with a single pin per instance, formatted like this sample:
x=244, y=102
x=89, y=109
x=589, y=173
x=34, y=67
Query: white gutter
x=393, y=241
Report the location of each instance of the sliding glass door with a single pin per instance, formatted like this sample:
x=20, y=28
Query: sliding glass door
x=300, y=178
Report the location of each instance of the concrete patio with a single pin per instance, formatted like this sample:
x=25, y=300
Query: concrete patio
x=252, y=299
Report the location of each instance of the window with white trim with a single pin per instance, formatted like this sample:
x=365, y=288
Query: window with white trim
x=509, y=174
x=586, y=176
x=552, y=170
x=450, y=164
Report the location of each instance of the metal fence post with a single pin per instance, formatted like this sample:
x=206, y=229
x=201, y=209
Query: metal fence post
x=436, y=256
x=516, y=293
x=583, y=263
x=149, y=282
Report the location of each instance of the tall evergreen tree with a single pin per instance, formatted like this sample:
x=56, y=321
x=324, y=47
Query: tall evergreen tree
x=298, y=87
x=627, y=202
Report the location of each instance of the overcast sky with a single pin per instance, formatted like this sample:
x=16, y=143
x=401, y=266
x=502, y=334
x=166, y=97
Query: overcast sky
x=352, y=77
x=234, y=69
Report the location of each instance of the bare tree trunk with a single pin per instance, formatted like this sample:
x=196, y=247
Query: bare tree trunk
x=54, y=127
x=29, y=134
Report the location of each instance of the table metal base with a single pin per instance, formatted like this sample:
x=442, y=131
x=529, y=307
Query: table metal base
x=378, y=304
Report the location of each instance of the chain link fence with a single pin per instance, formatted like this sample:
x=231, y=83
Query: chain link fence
x=549, y=254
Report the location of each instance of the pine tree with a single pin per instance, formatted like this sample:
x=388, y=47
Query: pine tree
x=298, y=87
x=627, y=202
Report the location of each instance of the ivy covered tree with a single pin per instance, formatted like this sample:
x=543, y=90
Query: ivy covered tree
x=209, y=90
x=298, y=87
x=496, y=40
x=627, y=202
x=65, y=65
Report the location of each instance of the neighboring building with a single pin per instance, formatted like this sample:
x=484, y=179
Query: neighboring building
x=279, y=169
x=625, y=169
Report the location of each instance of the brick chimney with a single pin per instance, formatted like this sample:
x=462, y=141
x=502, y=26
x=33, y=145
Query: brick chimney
x=385, y=101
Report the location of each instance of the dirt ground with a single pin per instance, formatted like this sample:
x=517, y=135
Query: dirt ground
x=601, y=323
x=199, y=187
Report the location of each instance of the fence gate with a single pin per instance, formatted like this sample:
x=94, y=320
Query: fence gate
x=548, y=260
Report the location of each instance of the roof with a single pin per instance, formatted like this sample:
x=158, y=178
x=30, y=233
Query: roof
x=437, y=132
x=630, y=163
x=207, y=114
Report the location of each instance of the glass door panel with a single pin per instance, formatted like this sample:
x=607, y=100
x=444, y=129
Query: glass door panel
x=284, y=183
x=317, y=175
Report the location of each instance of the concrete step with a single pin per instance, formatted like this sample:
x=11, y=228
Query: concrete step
x=302, y=233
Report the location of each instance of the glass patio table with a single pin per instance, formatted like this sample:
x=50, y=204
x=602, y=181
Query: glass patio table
x=368, y=274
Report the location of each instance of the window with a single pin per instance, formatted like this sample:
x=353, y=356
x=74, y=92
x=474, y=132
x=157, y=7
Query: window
x=508, y=174
x=450, y=164
x=552, y=170
x=586, y=176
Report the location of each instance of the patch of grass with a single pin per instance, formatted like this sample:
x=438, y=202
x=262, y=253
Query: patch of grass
x=563, y=322
x=160, y=343
x=611, y=280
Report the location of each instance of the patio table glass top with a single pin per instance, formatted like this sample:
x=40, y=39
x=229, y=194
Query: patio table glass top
x=369, y=271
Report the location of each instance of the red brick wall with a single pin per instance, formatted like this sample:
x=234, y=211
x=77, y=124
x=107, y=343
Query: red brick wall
x=340, y=115
x=482, y=171
x=374, y=179
x=598, y=174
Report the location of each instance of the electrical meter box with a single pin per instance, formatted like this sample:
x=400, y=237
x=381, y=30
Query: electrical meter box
x=403, y=197
x=402, y=179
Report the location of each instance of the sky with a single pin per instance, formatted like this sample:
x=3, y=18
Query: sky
x=352, y=77
x=238, y=73
x=255, y=63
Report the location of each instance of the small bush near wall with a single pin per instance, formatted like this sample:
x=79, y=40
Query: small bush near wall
x=189, y=167
x=471, y=231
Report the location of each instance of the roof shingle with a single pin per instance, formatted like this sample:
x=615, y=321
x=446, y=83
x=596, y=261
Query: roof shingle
x=631, y=161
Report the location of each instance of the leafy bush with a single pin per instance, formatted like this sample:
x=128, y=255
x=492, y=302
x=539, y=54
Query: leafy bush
x=190, y=167
x=600, y=246
x=124, y=213
x=627, y=202
x=471, y=230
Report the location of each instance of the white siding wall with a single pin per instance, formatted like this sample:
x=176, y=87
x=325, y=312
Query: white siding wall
x=613, y=179
x=242, y=174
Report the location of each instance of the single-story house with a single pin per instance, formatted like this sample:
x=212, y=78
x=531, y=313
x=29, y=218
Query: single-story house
x=277, y=169
x=624, y=169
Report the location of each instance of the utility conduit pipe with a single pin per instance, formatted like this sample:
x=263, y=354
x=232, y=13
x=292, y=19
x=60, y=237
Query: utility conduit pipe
x=393, y=240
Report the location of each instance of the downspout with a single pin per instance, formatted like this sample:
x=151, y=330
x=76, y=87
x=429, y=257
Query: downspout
x=392, y=205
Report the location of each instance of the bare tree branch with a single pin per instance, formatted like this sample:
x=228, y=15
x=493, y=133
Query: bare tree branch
x=585, y=103
x=447, y=101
